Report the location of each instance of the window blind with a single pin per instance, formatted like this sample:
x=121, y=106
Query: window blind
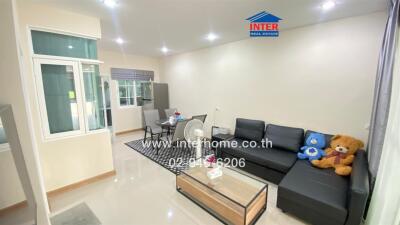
x=131, y=74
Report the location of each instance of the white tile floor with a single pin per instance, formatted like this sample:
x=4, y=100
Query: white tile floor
x=144, y=193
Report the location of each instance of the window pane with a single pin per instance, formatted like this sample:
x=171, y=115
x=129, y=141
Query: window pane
x=60, y=97
x=46, y=43
x=130, y=93
x=138, y=87
x=123, y=101
x=94, y=96
x=122, y=91
x=121, y=82
x=131, y=101
x=3, y=138
x=129, y=82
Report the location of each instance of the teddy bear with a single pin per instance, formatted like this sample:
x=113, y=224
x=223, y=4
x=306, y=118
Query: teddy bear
x=340, y=154
x=313, y=149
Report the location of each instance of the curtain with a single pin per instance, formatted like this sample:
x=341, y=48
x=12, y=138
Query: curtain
x=385, y=203
x=383, y=88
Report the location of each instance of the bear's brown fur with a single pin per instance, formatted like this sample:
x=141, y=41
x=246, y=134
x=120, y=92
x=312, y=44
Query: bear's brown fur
x=340, y=154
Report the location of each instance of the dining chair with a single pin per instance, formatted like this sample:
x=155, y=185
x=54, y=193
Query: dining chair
x=179, y=133
x=150, y=118
x=170, y=112
x=202, y=118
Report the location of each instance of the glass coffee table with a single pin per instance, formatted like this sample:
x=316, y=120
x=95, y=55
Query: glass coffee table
x=233, y=198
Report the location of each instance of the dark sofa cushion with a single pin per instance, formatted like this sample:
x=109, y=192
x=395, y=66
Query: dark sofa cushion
x=276, y=159
x=328, y=137
x=249, y=129
x=287, y=138
x=322, y=191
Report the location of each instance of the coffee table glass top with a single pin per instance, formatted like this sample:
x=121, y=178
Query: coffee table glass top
x=232, y=184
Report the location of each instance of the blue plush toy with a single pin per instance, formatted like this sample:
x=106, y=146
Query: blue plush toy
x=313, y=149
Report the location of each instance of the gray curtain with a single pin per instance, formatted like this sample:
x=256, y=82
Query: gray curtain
x=383, y=88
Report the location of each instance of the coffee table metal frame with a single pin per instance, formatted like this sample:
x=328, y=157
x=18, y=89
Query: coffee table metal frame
x=214, y=214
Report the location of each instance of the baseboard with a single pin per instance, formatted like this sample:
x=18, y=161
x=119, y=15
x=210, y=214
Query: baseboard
x=58, y=191
x=128, y=131
x=80, y=184
x=14, y=207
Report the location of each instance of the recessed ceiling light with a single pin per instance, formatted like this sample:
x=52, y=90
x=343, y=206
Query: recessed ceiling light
x=120, y=41
x=110, y=3
x=164, y=49
x=328, y=5
x=211, y=37
x=70, y=46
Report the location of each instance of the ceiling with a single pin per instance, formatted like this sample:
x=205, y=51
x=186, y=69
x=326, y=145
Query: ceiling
x=181, y=25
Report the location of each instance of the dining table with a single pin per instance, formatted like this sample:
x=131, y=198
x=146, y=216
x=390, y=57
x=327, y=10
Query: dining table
x=166, y=124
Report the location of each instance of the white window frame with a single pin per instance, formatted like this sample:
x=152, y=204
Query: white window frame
x=134, y=96
x=79, y=84
x=42, y=101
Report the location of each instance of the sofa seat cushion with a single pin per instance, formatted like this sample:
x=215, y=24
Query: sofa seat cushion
x=319, y=189
x=277, y=159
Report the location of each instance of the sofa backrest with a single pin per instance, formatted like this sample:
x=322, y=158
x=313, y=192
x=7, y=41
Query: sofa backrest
x=328, y=137
x=287, y=138
x=252, y=130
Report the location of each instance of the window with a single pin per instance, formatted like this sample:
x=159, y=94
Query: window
x=3, y=139
x=127, y=92
x=46, y=43
x=59, y=92
x=69, y=91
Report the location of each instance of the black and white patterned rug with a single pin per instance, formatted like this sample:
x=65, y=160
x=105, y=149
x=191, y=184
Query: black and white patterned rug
x=173, y=159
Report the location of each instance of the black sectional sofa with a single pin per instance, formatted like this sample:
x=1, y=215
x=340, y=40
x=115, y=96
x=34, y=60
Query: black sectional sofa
x=318, y=196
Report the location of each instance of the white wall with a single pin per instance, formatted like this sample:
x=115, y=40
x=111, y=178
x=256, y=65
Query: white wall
x=11, y=192
x=13, y=91
x=316, y=77
x=125, y=119
x=385, y=203
x=67, y=160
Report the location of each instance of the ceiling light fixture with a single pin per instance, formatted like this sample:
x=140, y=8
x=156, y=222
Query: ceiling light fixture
x=164, y=49
x=70, y=46
x=211, y=37
x=328, y=5
x=119, y=41
x=110, y=3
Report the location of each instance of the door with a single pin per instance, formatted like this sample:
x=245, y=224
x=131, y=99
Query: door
x=161, y=98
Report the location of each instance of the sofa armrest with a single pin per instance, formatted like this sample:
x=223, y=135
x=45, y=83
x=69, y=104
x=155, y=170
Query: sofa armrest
x=358, y=190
